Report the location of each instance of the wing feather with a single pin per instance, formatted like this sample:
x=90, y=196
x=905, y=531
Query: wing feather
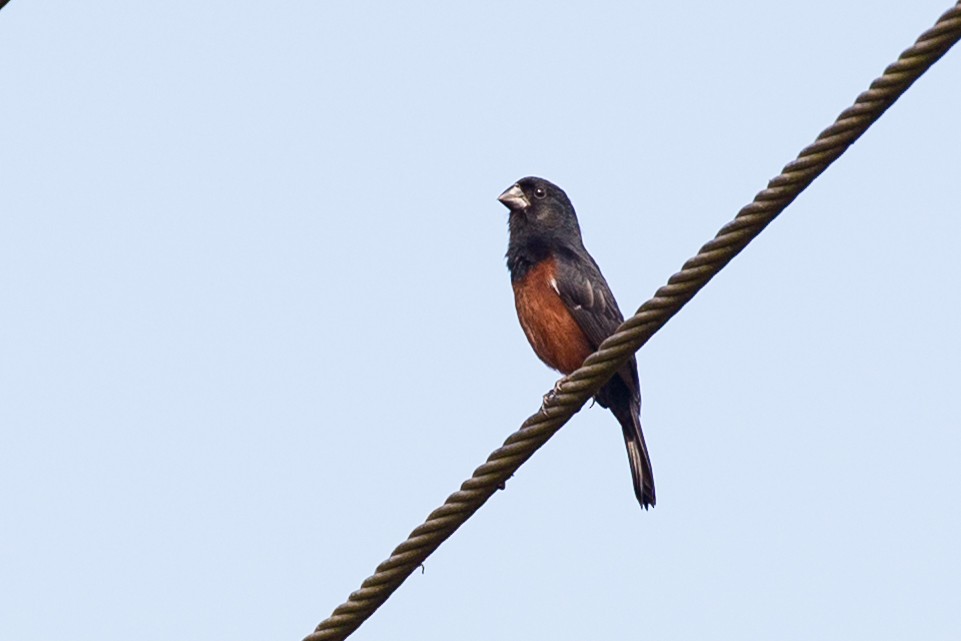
x=588, y=297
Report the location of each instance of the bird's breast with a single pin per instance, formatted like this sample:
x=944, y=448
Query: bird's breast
x=550, y=328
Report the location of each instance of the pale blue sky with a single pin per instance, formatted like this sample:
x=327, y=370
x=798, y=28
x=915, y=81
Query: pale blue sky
x=256, y=322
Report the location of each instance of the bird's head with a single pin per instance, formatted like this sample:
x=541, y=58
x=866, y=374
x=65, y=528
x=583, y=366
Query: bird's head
x=540, y=208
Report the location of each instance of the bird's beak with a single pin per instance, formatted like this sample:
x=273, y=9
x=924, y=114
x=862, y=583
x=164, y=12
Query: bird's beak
x=514, y=198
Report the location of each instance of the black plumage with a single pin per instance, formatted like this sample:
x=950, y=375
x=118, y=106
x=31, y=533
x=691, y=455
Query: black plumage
x=556, y=281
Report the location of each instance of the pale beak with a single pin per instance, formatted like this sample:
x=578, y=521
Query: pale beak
x=514, y=198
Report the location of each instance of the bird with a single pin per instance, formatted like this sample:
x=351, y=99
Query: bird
x=566, y=307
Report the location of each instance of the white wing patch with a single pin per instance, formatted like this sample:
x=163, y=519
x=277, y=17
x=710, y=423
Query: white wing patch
x=590, y=295
x=554, y=285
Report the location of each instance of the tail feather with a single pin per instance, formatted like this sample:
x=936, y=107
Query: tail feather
x=641, y=471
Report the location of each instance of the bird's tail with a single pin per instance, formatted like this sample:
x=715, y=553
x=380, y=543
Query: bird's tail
x=628, y=415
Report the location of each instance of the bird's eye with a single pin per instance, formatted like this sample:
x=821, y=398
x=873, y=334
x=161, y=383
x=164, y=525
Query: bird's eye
x=539, y=192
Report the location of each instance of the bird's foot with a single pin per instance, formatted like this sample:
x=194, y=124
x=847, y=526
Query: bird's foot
x=550, y=395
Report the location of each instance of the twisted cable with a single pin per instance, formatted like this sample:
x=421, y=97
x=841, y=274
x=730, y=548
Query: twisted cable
x=574, y=390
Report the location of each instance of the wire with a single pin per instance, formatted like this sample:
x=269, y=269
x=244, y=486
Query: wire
x=574, y=390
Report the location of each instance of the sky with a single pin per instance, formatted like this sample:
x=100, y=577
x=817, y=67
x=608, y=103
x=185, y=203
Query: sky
x=256, y=322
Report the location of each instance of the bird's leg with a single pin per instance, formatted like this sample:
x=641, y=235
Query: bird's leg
x=551, y=394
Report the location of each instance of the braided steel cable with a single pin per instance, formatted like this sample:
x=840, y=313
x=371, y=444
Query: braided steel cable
x=574, y=390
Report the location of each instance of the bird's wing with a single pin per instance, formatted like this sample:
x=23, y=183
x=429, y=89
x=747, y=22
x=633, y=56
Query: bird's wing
x=587, y=296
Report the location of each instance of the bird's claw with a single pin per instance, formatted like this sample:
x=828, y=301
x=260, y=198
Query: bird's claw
x=551, y=394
